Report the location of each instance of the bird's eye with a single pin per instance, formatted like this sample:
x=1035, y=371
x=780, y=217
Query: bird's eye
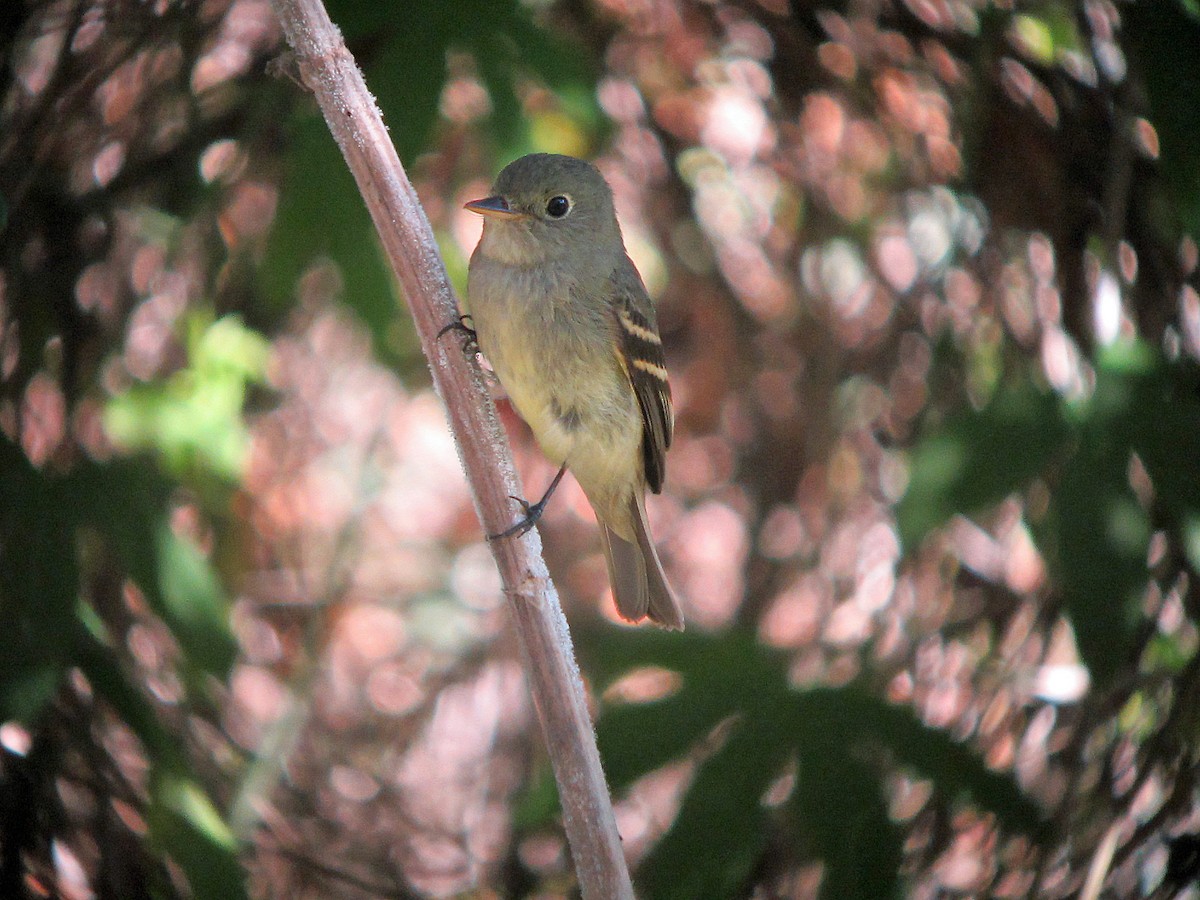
x=557, y=207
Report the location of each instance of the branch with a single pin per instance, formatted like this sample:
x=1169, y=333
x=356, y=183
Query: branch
x=330, y=73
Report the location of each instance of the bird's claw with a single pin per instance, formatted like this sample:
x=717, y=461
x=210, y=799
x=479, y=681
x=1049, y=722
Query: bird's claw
x=470, y=343
x=533, y=512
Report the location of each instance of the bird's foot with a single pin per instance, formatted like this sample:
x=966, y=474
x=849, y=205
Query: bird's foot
x=533, y=511
x=470, y=340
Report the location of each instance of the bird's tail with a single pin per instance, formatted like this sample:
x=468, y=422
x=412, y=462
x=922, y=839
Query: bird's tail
x=639, y=585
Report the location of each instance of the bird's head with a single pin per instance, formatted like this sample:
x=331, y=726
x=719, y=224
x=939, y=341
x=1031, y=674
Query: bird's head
x=545, y=208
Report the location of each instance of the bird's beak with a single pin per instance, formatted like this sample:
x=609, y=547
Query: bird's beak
x=493, y=208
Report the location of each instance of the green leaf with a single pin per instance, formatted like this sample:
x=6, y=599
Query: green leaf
x=105, y=675
x=1099, y=530
x=186, y=799
x=842, y=738
x=719, y=833
x=719, y=679
x=185, y=826
x=39, y=583
x=27, y=684
x=1034, y=37
x=1046, y=31
x=194, y=603
x=184, y=823
x=193, y=419
x=978, y=458
x=839, y=805
x=538, y=805
x=1191, y=541
x=127, y=502
x=407, y=71
x=1102, y=536
x=321, y=215
x=850, y=716
x=1163, y=421
x=1165, y=40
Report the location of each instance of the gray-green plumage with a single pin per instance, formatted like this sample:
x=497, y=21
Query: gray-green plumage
x=564, y=318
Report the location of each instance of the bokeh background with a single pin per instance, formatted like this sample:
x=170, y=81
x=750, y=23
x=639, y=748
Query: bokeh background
x=927, y=281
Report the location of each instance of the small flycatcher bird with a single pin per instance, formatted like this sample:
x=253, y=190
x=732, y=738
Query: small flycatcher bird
x=562, y=314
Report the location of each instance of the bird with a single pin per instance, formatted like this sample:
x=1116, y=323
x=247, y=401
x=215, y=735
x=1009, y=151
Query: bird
x=562, y=315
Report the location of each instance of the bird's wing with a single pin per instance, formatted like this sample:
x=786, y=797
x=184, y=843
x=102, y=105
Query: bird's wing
x=641, y=357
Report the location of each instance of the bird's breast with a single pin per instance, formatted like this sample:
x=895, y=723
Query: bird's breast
x=552, y=346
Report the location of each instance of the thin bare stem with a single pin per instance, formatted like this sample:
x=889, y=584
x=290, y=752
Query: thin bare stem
x=329, y=71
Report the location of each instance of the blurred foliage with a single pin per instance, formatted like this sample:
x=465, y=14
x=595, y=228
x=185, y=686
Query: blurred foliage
x=975, y=460
x=184, y=826
x=1166, y=39
x=736, y=710
x=118, y=508
x=59, y=530
x=1096, y=534
x=194, y=418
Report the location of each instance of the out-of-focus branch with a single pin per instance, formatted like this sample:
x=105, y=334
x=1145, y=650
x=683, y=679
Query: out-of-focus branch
x=329, y=71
